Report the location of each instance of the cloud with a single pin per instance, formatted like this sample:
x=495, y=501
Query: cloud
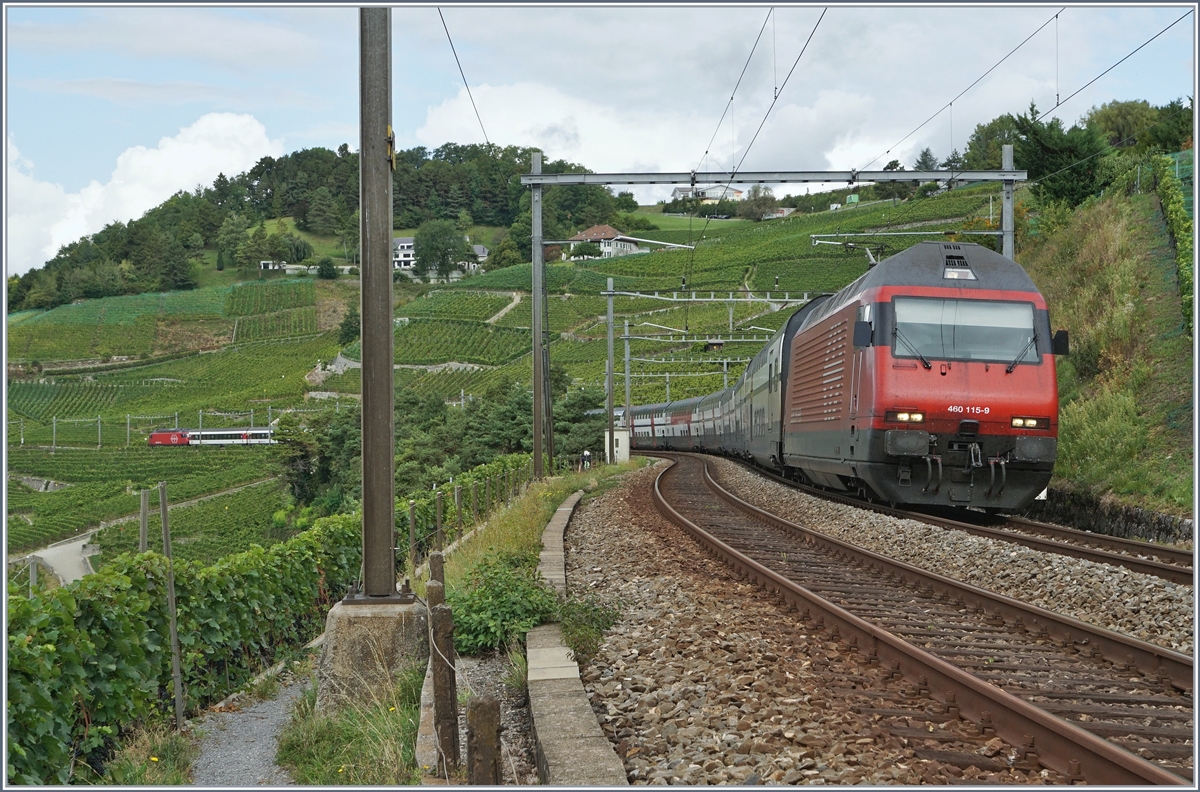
x=42, y=216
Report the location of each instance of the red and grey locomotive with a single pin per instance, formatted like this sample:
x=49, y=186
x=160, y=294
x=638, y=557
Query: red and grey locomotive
x=928, y=380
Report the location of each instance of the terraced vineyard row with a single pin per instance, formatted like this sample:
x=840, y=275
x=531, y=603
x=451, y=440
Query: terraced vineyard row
x=281, y=324
x=473, y=306
x=208, y=530
x=31, y=341
x=248, y=299
x=432, y=341
x=566, y=313
x=43, y=401
x=105, y=483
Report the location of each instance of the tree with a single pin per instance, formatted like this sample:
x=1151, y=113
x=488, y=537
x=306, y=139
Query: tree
x=1173, y=132
x=505, y=254
x=350, y=327
x=1061, y=163
x=464, y=222
x=231, y=234
x=322, y=218
x=759, y=202
x=586, y=250
x=325, y=268
x=885, y=190
x=625, y=202
x=348, y=234
x=1120, y=123
x=926, y=161
x=254, y=250
x=437, y=247
x=953, y=162
x=984, y=147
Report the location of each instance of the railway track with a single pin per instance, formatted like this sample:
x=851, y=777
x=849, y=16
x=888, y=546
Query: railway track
x=1087, y=703
x=1165, y=562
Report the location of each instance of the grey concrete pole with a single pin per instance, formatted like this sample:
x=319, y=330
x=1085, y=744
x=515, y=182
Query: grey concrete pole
x=609, y=385
x=668, y=386
x=1007, y=220
x=628, y=401
x=538, y=373
x=483, y=741
x=376, y=164
x=176, y=673
x=412, y=533
x=53, y=433
x=548, y=441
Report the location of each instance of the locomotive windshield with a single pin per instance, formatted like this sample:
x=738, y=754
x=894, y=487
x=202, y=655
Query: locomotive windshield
x=946, y=329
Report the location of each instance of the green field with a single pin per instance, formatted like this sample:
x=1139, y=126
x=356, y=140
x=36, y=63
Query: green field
x=105, y=484
x=208, y=530
x=474, y=306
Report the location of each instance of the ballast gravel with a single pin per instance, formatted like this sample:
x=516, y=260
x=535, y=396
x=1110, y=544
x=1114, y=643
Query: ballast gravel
x=707, y=680
x=1143, y=606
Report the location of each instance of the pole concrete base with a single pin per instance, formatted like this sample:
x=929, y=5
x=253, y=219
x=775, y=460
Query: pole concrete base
x=365, y=647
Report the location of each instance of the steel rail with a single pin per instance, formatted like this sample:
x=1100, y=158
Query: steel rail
x=1146, y=566
x=1062, y=746
x=1172, y=555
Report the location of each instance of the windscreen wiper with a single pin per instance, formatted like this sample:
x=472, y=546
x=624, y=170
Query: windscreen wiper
x=897, y=334
x=1016, y=360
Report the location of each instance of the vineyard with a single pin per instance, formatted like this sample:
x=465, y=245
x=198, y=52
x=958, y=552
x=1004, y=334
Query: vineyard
x=105, y=482
x=205, y=531
x=431, y=341
x=472, y=306
x=248, y=299
x=281, y=324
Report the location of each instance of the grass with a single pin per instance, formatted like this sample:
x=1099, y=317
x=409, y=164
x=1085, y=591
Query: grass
x=1126, y=388
x=371, y=743
x=151, y=755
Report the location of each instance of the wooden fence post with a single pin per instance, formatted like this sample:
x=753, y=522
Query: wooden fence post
x=445, y=688
x=483, y=741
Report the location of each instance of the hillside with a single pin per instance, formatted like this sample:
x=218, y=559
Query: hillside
x=1126, y=389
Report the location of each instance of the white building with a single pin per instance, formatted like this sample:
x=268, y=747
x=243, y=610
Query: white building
x=402, y=253
x=611, y=242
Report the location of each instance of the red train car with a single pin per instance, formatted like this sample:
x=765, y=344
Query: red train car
x=930, y=379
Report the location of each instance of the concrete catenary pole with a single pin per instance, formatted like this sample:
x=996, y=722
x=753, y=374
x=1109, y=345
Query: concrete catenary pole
x=538, y=373
x=628, y=401
x=1007, y=220
x=376, y=163
x=611, y=458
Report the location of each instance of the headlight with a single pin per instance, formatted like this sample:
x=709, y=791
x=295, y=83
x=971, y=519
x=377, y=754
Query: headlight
x=1021, y=422
x=904, y=416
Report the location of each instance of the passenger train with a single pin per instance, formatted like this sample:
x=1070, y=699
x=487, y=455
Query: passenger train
x=928, y=380
x=180, y=437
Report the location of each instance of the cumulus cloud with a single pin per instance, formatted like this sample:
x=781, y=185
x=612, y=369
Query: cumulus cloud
x=42, y=216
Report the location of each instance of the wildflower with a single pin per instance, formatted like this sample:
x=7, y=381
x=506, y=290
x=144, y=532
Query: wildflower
x=153, y=758
x=391, y=709
x=342, y=768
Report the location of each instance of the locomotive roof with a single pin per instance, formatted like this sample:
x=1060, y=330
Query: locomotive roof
x=923, y=265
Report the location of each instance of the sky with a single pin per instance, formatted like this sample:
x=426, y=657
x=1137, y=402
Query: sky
x=111, y=110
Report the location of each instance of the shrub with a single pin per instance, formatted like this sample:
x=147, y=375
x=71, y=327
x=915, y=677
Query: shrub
x=584, y=621
x=502, y=600
x=325, y=269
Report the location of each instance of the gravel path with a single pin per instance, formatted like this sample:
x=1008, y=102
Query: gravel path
x=238, y=747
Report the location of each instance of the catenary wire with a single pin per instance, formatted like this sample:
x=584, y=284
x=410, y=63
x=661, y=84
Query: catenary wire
x=688, y=268
x=1115, y=65
x=960, y=95
x=1040, y=115
x=763, y=122
x=464, y=77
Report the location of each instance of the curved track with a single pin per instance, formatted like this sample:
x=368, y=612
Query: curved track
x=1149, y=559
x=1085, y=702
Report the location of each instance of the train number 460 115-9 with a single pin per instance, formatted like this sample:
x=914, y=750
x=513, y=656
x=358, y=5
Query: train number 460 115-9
x=968, y=410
